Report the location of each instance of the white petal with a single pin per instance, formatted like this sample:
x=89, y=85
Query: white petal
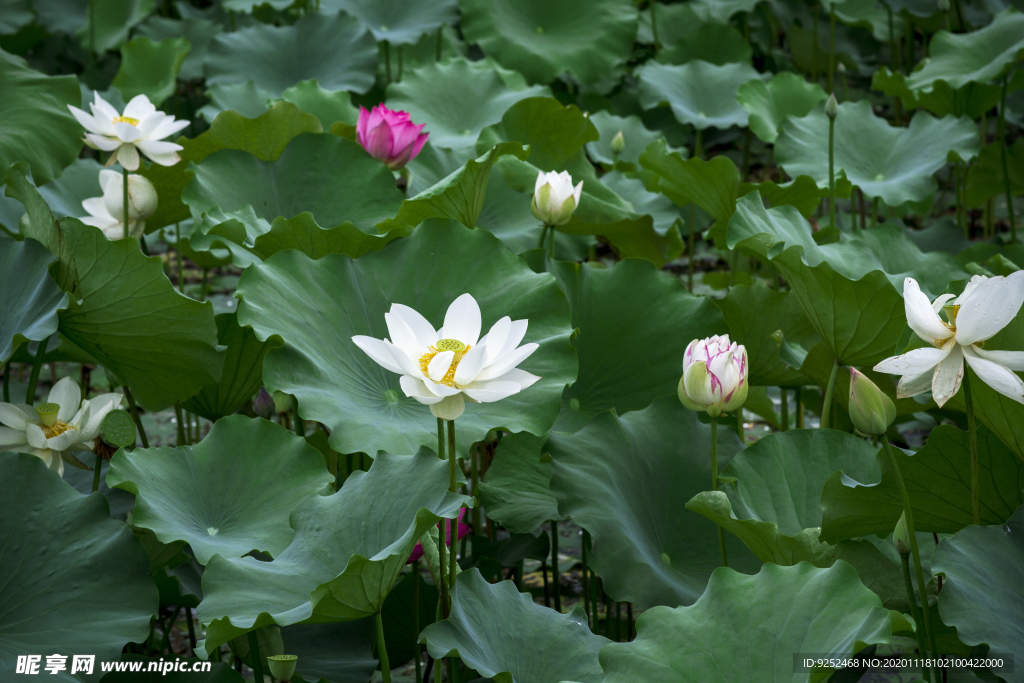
x=941, y=301
x=972, y=284
x=439, y=364
x=12, y=437
x=139, y=107
x=515, y=335
x=156, y=147
x=470, y=365
x=150, y=123
x=128, y=157
x=402, y=360
x=35, y=436
x=87, y=120
x=912, y=385
x=1013, y=360
x=577, y=192
x=165, y=159
x=169, y=126
x=450, y=408
x=402, y=336
x=541, y=179
x=989, y=308
x=98, y=409
x=507, y=362
x=57, y=463
x=494, y=341
x=914, y=362
x=126, y=131
x=111, y=181
x=378, y=351
x=489, y=392
x=425, y=333
x=63, y=441
x=102, y=109
x=414, y=388
x=462, y=321
x=948, y=375
x=996, y=376
x=103, y=143
x=15, y=415
x=68, y=395
x=920, y=316
x=521, y=377
x=438, y=389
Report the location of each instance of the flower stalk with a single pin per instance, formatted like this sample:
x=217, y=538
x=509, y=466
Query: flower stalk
x=714, y=485
x=382, y=649
x=135, y=416
x=972, y=437
x=831, y=110
x=254, y=652
x=830, y=390
x=37, y=365
x=555, y=574
x=915, y=611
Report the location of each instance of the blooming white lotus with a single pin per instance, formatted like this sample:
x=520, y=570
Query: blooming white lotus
x=714, y=375
x=106, y=212
x=554, y=198
x=141, y=128
x=445, y=368
x=62, y=424
x=986, y=306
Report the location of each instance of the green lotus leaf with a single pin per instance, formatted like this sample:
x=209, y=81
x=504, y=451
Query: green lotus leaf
x=28, y=310
x=360, y=402
x=457, y=99
x=108, y=25
x=723, y=10
x=778, y=612
x=460, y=196
x=630, y=348
x=303, y=234
x=14, y=14
x=35, y=124
x=340, y=653
x=217, y=238
x=938, y=480
x=700, y=94
x=770, y=103
x=971, y=100
x=328, y=106
x=400, y=616
x=895, y=164
x=635, y=136
x=801, y=192
x=983, y=594
x=543, y=42
x=516, y=490
x=773, y=506
x=976, y=57
x=242, y=376
x=985, y=178
x=126, y=313
x=245, y=98
x=753, y=313
x=348, y=550
x=623, y=480
x=78, y=182
x=76, y=580
x=198, y=32
x=395, y=21
x=547, y=647
x=335, y=50
x=882, y=574
x=556, y=134
x=686, y=31
x=332, y=178
x=151, y=69
x=247, y=6
x=872, y=16
x=229, y=494
x=663, y=212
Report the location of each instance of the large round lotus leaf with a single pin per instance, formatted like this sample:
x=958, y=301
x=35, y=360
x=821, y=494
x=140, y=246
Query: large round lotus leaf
x=340, y=653
x=28, y=309
x=748, y=628
x=397, y=21
x=303, y=234
x=245, y=98
x=971, y=100
x=504, y=635
x=938, y=480
x=626, y=480
x=895, y=164
x=699, y=93
x=516, y=490
x=35, y=124
x=14, y=14
x=685, y=32
x=723, y=10
x=660, y=208
x=979, y=56
x=769, y=103
x=108, y=24
x=543, y=40
x=630, y=347
x=457, y=99
x=983, y=594
x=75, y=581
x=361, y=402
x=242, y=376
x=229, y=494
x=335, y=50
x=774, y=505
x=349, y=549
x=198, y=32
x=328, y=106
x=332, y=178
x=635, y=136
x=150, y=69
x=125, y=313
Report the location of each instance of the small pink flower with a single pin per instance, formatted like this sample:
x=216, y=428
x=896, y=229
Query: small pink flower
x=390, y=136
x=417, y=552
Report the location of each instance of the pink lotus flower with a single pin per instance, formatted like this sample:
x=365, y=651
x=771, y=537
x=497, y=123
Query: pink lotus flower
x=714, y=375
x=390, y=136
x=417, y=552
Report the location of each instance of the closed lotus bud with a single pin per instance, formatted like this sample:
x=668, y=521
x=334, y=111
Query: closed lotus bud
x=841, y=68
x=870, y=410
x=901, y=536
x=142, y=199
x=832, y=107
x=282, y=667
x=554, y=198
x=714, y=376
x=264, y=404
x=390, y=135
x=618, y=143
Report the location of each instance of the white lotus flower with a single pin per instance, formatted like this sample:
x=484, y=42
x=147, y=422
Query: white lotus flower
x=554, y=198
x=714, y=375
x=106, y=212
x=444, y=368
x=986, y=306
x=141, y=128
x=64, y=423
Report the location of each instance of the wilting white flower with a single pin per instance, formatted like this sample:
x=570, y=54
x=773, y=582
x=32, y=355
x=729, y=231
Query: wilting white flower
x=141, y=128
x=106, y=212
x=554, y=198
x=64, y=423
x=444, y=368
x=714, y=375
x=986, y=306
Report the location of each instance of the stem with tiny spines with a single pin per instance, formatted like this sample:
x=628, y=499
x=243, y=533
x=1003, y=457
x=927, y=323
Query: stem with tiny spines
x=135, y=415
x=654, y=27
x=584, y=542
x=972, y=436
x=455, y=522
x=382, y=650
x=37, y=364
x=830, y=390
x=714, y=485
x=177, y=251
x=96, y=474
x=254, y=655
x=831, y=173
x=693, y=214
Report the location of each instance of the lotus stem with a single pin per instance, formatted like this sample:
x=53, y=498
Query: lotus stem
x=300, y=426
x=785, y=410
x=399, y=79
x=654, y=27
x=202, y=292
x=454, y=522
x=96, y=474
x=474, y=473
x=830, y=390
x=697, y=151
x=387, y=61
x=913, y=544
x=37, y=365
x=798, y=396
x=972, y=435
x=915, y=612
x=442, y=589
x=382, y=649
x=416, y=618
x=831, y=173
x=816, y=50
x=191, y=629
x=1002, y=145
x=831, y=45
x=177, y=253
x=584, y=542
x=908, y=26
x=254, y=654
x=556, y=579
x=124, y=219
x=714, y=485
x=135, y=415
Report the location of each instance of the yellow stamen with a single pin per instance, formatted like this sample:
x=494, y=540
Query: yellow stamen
x=126, y=119
x=448, y=345
x=56, y=429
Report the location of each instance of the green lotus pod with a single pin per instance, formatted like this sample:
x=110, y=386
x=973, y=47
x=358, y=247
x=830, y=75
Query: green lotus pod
x=282, y=667
x=118, y=429
x=870, y=410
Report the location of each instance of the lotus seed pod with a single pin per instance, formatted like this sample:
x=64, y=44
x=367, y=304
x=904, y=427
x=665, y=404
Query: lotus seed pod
x=901, y=536
x=618, y=143
x=282, y=667
x=118, y=429
x=832, y=107
x=870, y=410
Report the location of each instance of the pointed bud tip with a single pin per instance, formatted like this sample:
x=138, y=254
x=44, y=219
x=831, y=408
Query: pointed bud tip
x=901, y=536
x=618, y=143
x=871, y=411
x=832, y=107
